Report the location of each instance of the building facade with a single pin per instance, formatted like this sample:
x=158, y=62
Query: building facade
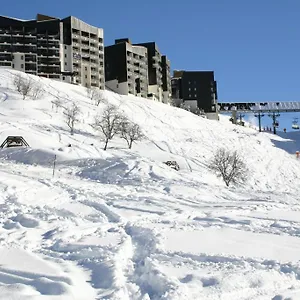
x=126, y=68
x=138, y=69
x=166, y=80
x=64, y=49
x=155, y=90
x=198, y=89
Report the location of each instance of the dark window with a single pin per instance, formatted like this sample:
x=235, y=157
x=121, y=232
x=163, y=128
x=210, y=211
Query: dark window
x=64, y=77
x=22, y=57
x=85, y=68
x=13, y=65
x=13, y=57
x=22, y=66
x=65, y=55
x=85, y=76
x=65, y=63
x=65, y=47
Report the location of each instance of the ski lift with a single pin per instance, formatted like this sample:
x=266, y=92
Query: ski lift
x=295, y=124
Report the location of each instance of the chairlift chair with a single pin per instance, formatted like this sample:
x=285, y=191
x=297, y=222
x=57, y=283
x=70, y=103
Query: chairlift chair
x=295, y=124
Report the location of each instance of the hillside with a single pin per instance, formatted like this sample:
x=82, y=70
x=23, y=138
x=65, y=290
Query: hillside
x=120, y=224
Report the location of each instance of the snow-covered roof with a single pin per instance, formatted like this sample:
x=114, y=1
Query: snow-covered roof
x=16, y=19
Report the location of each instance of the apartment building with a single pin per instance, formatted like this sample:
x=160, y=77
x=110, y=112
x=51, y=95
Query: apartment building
x=126, y=68
x=64, y=49
x=198, y=89
x=155, y=90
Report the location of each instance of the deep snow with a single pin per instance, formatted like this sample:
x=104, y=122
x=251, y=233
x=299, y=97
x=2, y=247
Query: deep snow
x=120, y=224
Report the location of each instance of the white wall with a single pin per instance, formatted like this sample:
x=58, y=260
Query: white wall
x=212, y=116
x=18, y=61
x=192, y=104
x=86, y=75
x=166, y=97
x=156, y=91
x=120, y=88
x=66, y=58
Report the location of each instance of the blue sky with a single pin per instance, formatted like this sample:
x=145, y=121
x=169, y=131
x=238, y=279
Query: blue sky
x=253, y=46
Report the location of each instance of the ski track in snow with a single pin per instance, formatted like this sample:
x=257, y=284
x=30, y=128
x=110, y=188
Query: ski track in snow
x=122, y=225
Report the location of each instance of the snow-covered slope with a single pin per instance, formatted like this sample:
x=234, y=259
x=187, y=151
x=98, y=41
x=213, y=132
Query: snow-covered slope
x=120, y=224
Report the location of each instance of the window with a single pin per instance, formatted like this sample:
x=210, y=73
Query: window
x=189, y=82
x=65, y=47
x=13, y=57
x=195, y=95
x=22, y=66
x=64, y=77
x=22, y=57
x=195, y=89
x=189, y=89
x=190, y=96
x=13, y=65
x=65, y=55
x=86, y=76
x=85, y=68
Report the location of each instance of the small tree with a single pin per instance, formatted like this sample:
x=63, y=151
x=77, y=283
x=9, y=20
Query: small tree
x=71, y=116
x=23, y=85
x=108, y=123
x=95, y=94
x=130, y=132
x=230, y=166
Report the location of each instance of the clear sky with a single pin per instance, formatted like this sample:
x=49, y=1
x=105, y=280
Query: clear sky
x=252, y=45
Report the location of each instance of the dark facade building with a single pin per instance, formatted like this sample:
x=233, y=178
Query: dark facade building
x=196, y=88
x=126, y=68
x=154, y=70
x=166, y=79
x=65, y=49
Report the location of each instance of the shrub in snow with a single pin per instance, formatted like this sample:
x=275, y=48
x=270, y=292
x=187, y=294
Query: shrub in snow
x=173, y=164
x=185, y=106
x=199, y=112
x=108, y=123
x=37, y=91
x=130, y=131
x=71, y=116
x=23, y=85
x=229, y=165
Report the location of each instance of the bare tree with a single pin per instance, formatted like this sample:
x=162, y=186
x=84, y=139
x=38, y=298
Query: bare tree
x=108, y=123
x=23, y=85
x=95, y=94
x=230, y=166
x=99, y=98
x=130, y=132
x=71, y=116
x=57, y=103
x=37, y=90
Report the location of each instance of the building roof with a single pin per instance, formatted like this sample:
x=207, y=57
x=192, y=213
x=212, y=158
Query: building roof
x=16, y=19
